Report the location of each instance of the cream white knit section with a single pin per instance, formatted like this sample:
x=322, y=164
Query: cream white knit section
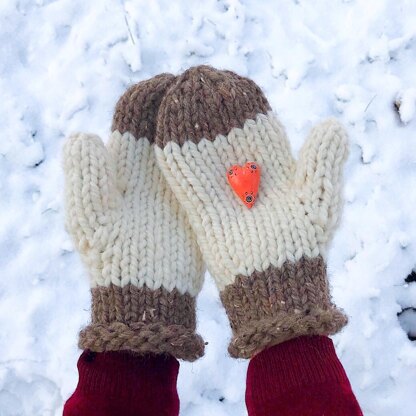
x=297, y=206
x=124, y=219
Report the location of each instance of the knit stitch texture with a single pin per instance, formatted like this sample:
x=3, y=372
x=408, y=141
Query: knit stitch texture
x=144, y=264
x=210, y=120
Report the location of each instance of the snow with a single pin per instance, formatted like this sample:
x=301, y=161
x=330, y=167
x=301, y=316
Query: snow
x=64, y=63
x=406, y=104
x=407, y=319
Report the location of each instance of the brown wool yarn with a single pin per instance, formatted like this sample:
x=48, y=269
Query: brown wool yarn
x=205, y=102
x=136, y=110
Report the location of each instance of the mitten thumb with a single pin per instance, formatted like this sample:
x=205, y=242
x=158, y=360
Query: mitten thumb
x=91, y=193
x=319, y=173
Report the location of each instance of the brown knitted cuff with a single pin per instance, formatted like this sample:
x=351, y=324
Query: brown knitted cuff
x=273, y=306
x=142, y=321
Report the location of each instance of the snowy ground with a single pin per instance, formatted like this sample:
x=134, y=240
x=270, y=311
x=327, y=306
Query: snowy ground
x=63, y=64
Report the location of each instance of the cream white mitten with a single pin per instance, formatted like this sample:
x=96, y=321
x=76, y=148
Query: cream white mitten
x=143, y=261
x=268, y=261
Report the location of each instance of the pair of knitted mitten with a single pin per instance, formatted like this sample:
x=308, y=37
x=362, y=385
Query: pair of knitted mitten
x=141, y=225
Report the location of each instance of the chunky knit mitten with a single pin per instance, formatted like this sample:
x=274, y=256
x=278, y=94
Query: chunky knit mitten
x=268, y=260
x=144, y=264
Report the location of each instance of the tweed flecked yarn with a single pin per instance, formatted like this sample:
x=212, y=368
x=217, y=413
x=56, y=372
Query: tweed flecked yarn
x=267, y=261
x=144, y=264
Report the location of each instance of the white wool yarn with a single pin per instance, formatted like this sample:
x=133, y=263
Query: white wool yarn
x=297, y=207
x=124, y=219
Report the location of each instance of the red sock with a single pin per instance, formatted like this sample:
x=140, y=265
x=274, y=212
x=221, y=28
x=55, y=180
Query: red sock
x=300, y=377
x=119, y=383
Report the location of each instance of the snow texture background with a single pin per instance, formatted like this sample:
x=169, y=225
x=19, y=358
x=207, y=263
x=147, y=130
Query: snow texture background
x=64, y=63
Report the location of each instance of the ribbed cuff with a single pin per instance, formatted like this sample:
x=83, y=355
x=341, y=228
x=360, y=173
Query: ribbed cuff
x=279, y=304
x=297, y=366
x=143, y=321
